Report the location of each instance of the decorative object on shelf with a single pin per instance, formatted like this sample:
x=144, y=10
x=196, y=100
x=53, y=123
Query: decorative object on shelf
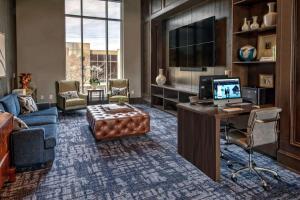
x=161, y=79
x=266, y=80
x=266, y=44
x=246, y=26
x=270, y=19
x=25, y=79
x=247, y=53
x=228, y=72
x=2, y=56
x=254, y=24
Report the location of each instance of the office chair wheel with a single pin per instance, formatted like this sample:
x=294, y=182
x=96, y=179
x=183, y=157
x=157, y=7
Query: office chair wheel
x=229, y=164
x=265, y=186
x=277, y=177
x=234, y=179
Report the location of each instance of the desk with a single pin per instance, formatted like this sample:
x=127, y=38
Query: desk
x=95, y=91
x=199, y=135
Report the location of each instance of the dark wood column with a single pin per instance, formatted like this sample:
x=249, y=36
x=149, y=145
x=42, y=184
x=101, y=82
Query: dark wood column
x=288, y=82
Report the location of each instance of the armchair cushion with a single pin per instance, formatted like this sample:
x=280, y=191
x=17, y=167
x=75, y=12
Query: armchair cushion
x=69, y=94
x=75, y=102
x=38, y=120
x=11, y=104
x=119, y=91
x=238, y=138
x=117, y=98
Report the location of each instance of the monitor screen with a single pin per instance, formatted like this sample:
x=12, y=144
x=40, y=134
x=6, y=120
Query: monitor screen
x=205, y=85
x=229, y=88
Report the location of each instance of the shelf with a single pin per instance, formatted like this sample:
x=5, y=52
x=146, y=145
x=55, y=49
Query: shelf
x=172, y=112
x=175, y=100
x=254, y=62
x=158, y=95
x=160, y=107
x=260, y=30
x=246, y=2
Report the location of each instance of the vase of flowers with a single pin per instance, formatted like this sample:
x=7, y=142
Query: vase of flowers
x=25, y=79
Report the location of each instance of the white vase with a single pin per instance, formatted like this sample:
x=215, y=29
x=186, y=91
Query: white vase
x=245, y=26
x=161, y=79
x=254, y=24
x=270, y=18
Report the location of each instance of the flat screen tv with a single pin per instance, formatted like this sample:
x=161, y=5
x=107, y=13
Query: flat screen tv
x=193, y=45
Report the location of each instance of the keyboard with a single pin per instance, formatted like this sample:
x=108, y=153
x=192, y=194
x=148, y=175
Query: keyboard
x=232, y=109
x=239, y=104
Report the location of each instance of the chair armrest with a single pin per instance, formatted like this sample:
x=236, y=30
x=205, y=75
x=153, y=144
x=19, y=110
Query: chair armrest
x=61, y=102
x=28, y=146
x=82, y=96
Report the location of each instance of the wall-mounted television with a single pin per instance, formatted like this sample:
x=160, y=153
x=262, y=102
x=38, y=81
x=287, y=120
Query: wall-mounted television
x=193, y=45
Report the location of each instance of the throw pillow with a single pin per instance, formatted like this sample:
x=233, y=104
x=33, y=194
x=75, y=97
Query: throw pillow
x=27, y=104
x=19, y=124
x=69, y=95
x=119, y=91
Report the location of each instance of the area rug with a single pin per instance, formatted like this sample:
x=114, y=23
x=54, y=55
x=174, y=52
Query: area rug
x=142, y=167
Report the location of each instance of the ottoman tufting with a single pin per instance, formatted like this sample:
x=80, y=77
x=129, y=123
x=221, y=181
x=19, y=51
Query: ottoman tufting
x=106, y=125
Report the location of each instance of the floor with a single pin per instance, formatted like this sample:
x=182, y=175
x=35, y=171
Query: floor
x=143, y=167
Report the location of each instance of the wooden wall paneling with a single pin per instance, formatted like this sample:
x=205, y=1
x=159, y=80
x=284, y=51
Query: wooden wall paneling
x=287, y=83
x=146, y=68
x=156, y=5
x=296, y=132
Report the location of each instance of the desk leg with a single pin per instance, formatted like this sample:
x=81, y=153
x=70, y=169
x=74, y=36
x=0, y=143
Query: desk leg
x=199, y=141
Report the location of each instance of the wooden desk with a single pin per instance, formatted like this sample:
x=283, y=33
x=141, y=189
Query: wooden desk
x=199, y=135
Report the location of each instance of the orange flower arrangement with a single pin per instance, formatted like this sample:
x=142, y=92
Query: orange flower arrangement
x=25, y=79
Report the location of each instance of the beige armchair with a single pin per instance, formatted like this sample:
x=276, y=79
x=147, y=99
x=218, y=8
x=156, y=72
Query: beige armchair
x=118, y=83
x=67, y=104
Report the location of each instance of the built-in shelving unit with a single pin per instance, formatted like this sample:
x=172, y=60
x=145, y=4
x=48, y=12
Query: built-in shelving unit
x=167, y=97
x=249, y=71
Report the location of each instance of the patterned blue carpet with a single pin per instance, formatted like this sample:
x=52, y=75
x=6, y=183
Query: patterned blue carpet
x=143, y=167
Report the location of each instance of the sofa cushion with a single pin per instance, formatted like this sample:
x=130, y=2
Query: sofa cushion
x=27, y=104
x=45, y=112
x=50, y=135
x=19, y=124
x=11, y=104
x=38, y=120
x=75, y=102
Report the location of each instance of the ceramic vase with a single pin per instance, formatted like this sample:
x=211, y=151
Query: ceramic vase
x=270, y=18
x=245, y=26
x=254, y=24
x=161, y=79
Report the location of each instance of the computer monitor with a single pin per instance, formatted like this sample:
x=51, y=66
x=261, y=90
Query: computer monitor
x=227, y=91
x=205, y=86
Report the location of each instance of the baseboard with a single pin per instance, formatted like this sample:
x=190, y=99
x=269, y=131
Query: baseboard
x=289, y=160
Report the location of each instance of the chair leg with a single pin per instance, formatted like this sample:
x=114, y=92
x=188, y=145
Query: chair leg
x=252, y=168
x=275, y=174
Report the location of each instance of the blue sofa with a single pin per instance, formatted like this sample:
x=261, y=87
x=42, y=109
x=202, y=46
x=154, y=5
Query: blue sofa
x=33, y=147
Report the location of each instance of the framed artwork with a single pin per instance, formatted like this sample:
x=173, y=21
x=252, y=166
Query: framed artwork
x=2, y=56
x=266, y=81
x=265, y=46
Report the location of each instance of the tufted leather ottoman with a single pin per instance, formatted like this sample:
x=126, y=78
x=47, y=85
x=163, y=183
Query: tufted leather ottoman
x=106, y=125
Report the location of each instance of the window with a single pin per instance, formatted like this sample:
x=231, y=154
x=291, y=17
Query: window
x=93, y=41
